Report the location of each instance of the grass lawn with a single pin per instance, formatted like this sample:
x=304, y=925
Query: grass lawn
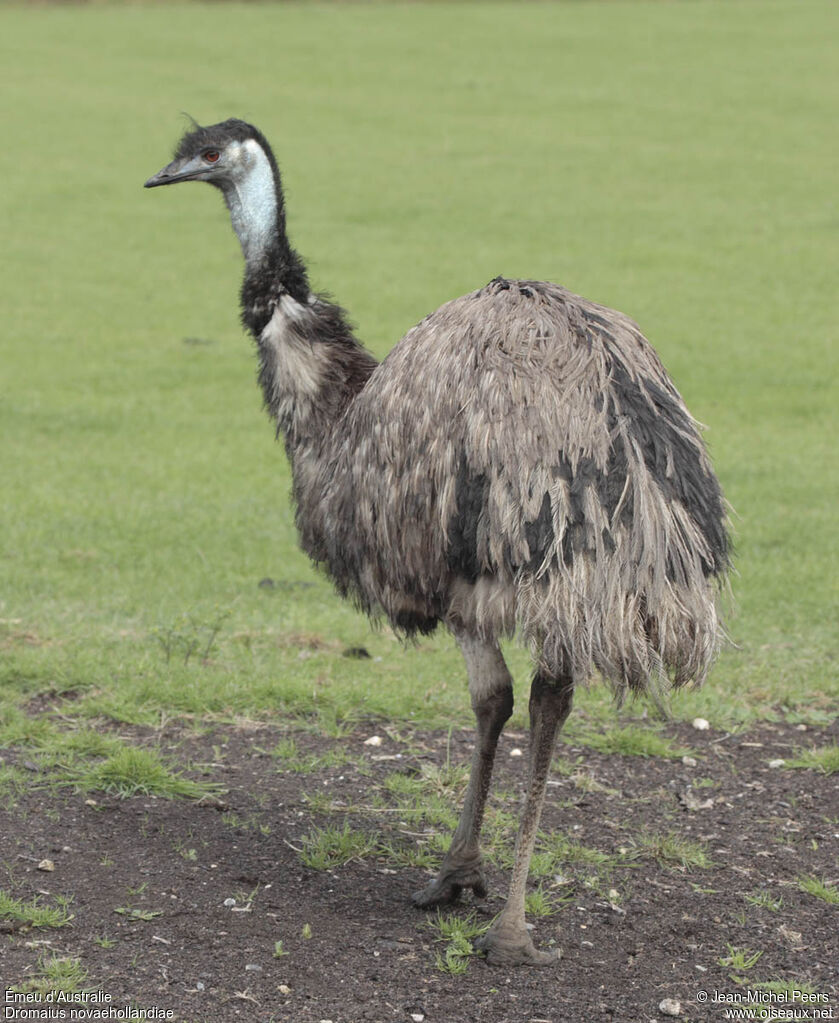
x=676, y=161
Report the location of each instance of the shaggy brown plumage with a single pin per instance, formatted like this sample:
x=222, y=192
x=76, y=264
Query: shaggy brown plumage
x=519, y=463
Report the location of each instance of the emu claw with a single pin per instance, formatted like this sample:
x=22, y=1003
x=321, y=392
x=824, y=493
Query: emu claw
x=448, y=885
x=504, y=946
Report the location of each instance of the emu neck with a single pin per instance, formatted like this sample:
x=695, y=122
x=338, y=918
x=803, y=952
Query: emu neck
x=311, y=366
x=254, y=204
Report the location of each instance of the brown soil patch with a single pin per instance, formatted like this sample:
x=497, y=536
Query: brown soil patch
x=371, y=956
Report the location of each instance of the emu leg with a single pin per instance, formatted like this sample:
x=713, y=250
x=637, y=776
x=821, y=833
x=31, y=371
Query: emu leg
x=508, y=942
x=491, y=689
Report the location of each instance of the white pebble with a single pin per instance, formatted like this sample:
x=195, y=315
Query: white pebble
x=516, y=752
x=417, y=1017
x=670, y=1007
x=253, y=968
x=374, y=740
x=777, y=763
x=199, y=985
x=689, y=761
x=46, y=865
x=701, y=725
x=229, y=903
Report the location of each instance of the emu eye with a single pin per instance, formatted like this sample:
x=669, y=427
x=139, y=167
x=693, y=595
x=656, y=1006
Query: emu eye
x=211, y=156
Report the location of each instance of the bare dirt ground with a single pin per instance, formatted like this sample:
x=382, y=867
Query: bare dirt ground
x=151, y=881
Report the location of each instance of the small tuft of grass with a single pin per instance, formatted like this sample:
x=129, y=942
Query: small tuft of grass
x=135, y=913
x=398, y=783
x=585, y=781
x=55, y=974
x=556, y=850
x=541, y=902
x=828, y=893
x=132, y=771
x=187, y=635
x=453, y=926
x=631, y=740
x=407, y=855
x=824, y=759
x=292, y=759
x=672, y=851
x=459, y=933
x=33, y=913
x=250, y=822
x=325, y=848
x=739, y=959
x=12, y=786
x=763, y=900
x=279, y=951
x=427, y=798
x=454, y=959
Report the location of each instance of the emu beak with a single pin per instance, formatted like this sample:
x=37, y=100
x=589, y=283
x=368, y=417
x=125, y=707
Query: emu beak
x=172, y=173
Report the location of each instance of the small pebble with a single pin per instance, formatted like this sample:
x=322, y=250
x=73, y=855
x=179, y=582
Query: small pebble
x=229, y=903
x=253, y=968
x=777, y=763
x=417, y=1017
x=46, y=865
x=701, y=725
x=374, y=740
x=199, y=985
x=516, y=752
x=284, y=989
x=689, y=761
x=670, y=1007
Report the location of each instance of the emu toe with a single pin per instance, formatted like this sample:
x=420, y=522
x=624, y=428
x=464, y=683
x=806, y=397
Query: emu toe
x=510, y=946
x=448, y=885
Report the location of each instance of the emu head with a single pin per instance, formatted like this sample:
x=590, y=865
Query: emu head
x=235, y=157
x=221, y=154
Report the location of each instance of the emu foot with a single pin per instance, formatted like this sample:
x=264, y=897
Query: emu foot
x=509, y=945
x=449, y=883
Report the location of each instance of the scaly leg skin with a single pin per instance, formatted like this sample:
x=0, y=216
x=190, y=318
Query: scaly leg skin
x=507, y=942
x=492, y=700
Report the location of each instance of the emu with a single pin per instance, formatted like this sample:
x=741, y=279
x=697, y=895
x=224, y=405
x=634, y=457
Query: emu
x=520, y=463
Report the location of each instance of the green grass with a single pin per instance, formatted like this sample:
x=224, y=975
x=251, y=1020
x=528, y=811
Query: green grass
x=763, y=900
x=823, y=890
x=134, y=771
x=672, y=851
x=33, y=913
x=824, y=759
x=739, y=959
x=56, y=974
x=634, y=740
x=659, y=164
x=459, y=933
x=329, y=847
x=290, y=758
